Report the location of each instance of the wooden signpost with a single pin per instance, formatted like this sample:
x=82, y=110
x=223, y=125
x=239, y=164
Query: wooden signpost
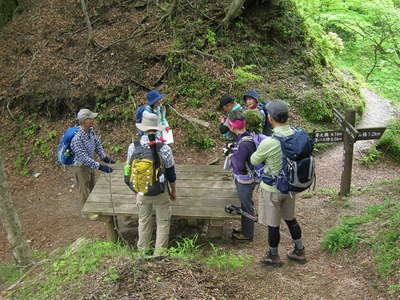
x=348, y=135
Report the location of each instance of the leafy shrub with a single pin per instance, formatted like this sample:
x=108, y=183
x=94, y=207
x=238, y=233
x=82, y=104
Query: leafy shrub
x=243, y=75
x=315, y=108
x=226, y=260
x=186, y=249
x=200, y=141
x=340, y=237
x=372, y=156
x=253, y=120
x=390, y=140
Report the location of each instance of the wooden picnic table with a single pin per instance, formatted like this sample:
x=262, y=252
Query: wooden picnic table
x=202, y=192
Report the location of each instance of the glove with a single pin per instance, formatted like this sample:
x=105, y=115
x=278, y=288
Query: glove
x=229, y=149
x=108, y=160
x=105, y=169
x=131, y=187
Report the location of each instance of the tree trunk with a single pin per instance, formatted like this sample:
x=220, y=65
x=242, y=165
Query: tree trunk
x=234, y=10
x=8, y=215
x=89, y=24
x=236, y=7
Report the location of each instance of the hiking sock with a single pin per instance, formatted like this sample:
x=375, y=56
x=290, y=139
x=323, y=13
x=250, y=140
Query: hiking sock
x=299, y=244
x=294, y=228
x=273, y=251
x=274, y=237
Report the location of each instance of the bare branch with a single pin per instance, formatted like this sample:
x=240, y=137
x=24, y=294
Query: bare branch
x=190, y=118
x=88, y=23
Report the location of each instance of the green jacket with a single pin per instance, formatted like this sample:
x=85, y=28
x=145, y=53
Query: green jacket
x=270, y=153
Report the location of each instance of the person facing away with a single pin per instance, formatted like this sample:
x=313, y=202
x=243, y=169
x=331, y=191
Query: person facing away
x=273, y=205
x=155, y=106
x=84, y=145
x=227, y=104
x=252, y=100
x=241, y=171
x=163, y=158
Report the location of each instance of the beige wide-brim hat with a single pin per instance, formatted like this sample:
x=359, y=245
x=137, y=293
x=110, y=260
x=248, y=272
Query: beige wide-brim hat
x=150, y=122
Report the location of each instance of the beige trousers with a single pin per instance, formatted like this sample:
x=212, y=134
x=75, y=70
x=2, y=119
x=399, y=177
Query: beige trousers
x=161, y=205
x=272, y=207
x=85, y=181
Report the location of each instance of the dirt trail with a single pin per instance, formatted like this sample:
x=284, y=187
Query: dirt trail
x=377, y=113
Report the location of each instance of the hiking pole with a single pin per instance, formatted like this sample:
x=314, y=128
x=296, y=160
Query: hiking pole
x=232, y=209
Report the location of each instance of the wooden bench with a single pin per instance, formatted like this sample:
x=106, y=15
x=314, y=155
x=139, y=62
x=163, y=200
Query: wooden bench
x=202, y=191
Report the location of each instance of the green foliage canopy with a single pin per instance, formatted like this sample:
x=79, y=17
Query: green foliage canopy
x=370, y=31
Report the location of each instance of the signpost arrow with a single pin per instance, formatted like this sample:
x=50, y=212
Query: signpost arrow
x=370, y=133
x=327, y=136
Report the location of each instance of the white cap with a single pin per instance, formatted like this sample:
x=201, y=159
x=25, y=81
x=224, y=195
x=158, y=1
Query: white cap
x=85, y=113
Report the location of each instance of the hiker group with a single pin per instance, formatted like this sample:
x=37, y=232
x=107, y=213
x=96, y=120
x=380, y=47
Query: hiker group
x=261, y=150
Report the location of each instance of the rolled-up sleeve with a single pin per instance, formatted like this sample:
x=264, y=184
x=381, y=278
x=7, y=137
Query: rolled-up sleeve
x=259, y=155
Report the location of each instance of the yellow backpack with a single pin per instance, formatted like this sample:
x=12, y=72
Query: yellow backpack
x=144, y=174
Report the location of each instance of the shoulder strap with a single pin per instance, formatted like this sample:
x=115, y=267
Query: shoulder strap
x=247, y=138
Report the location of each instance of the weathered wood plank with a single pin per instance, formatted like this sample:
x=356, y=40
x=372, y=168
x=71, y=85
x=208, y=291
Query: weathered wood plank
x=177, y=211
x=188, y=183
x=189, y=201
x=202, y=192
x=185, y=168
x=226, y=177
x=116, y=191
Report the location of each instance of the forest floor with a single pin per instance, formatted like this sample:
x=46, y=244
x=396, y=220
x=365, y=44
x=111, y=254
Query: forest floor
x=51, y=218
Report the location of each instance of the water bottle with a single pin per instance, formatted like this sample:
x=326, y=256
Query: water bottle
x=161, y=179
x=67, y=153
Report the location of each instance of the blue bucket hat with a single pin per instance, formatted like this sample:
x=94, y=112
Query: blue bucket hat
x=154, y=96
x=252, y=94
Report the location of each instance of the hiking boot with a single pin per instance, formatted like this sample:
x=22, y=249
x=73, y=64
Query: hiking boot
x=271, y=260
x=236, y=230
x=240, y=237
x=297, y=255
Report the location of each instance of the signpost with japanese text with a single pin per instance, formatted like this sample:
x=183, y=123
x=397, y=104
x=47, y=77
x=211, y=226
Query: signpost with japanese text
x=348, y=135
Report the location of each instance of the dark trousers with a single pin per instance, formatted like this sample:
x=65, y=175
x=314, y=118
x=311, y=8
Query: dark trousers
x=245, y=193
